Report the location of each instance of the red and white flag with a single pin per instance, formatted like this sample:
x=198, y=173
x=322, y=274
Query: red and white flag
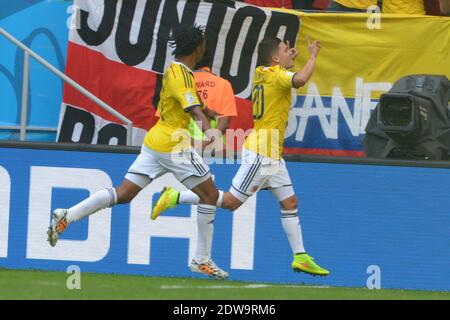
x=118, y=50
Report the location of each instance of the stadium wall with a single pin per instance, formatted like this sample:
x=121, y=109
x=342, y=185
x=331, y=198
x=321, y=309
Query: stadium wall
x=357, y=216
x=41, y=25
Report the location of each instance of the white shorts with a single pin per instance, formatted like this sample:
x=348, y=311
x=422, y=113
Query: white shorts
x=258, y=172
x=187, y=166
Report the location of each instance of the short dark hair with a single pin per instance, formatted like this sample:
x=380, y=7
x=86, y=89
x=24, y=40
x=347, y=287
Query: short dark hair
x=185, y=40
x=206, y=60
x=266, y=49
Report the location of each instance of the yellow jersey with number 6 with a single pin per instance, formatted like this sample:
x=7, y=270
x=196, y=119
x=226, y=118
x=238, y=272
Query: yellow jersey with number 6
x=272, y=98
x=178, y=95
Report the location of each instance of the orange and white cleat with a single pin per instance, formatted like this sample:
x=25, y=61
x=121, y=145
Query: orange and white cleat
x=57, y=226
x=209, y=268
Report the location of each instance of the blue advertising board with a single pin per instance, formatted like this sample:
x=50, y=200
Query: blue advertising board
x=354, y=217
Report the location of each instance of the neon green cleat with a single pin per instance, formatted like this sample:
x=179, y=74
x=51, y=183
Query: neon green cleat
x=168, y=199
x=305, y=263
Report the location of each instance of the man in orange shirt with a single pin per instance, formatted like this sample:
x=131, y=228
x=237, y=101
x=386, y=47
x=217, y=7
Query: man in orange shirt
x=217, y=94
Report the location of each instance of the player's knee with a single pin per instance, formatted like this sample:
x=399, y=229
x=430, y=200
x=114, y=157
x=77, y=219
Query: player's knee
x=234, y=206
x=210, y=197
x=125, y=195
x=290, y=203
x=123, y=198
x=230, y=202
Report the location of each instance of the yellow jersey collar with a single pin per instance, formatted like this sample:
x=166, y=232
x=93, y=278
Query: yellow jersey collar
x=178, y=62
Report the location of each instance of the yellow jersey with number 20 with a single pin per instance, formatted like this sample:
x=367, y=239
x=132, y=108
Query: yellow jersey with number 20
x=178, y=95
x=272, y=98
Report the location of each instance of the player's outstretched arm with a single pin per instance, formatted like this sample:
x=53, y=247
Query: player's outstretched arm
x=302, y=77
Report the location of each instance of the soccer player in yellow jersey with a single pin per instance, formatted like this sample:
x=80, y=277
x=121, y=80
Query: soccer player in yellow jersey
x=166, y=149
x=262, y=166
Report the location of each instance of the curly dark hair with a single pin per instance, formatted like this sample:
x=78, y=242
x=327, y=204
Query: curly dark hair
x=186, y=40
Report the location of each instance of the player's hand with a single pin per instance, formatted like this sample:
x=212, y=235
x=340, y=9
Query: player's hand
x=292, y=51
x=211, y=150
x=200, y=145
x=211, y=114
x=313, y=47
x=205, y=143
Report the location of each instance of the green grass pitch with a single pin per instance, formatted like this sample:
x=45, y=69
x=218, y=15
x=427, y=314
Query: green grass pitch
x=27, y=284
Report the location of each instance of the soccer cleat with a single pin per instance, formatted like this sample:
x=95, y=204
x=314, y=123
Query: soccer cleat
x=305, y=263
x=209, y=268
x=57, y=226
x=168, y=199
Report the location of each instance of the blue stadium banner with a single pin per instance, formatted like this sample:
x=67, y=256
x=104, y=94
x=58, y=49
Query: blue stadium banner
x=357, y=220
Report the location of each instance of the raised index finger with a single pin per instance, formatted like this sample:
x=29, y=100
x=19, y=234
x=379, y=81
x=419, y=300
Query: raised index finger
x=308, y=40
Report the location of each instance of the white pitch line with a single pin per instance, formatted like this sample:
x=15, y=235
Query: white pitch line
x=249, y=286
